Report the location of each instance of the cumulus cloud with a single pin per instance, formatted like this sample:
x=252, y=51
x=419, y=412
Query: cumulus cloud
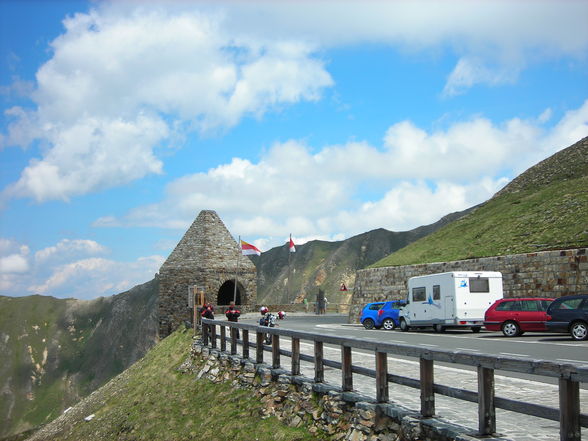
x=121, y=85
x=127, y=79
x=94, y=277
x=68, y=248
x=465, y=164
x=70, y=268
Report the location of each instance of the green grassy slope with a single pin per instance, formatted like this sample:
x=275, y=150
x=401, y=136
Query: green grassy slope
x=544, y=208
x=153, y=401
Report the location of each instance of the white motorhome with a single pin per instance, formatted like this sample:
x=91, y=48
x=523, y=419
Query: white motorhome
x=450, y=300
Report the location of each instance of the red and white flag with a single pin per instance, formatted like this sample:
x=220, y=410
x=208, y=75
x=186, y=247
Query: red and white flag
x=249, y=250
x=292, y=247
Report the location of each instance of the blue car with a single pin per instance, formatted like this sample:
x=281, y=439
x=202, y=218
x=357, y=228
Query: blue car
x=381, y=314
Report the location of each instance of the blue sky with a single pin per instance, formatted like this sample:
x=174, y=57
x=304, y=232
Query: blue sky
x=122, y=120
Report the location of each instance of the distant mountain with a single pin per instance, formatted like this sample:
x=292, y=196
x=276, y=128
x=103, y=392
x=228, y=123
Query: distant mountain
x=55, y=351
x=544, y=208
x=329, y=264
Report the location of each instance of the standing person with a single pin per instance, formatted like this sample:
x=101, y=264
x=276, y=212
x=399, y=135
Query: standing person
x=208, y=311
x=305, y=301
x=233, y=315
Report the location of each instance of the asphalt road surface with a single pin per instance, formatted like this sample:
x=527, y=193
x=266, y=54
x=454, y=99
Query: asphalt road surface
x=531, y=345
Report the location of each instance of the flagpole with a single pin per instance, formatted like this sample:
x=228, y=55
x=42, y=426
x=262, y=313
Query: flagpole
x=288, y=284
x=237, y=273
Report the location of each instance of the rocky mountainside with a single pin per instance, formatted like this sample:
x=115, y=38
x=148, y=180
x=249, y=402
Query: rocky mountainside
x=326, y=265
x=55, y=351
x=567, y=164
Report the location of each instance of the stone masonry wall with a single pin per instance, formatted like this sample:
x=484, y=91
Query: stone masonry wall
x=323, y=409
x=207, y=256
x=541, y=274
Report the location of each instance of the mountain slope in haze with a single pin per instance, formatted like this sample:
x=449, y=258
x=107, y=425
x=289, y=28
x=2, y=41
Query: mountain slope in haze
x=55, y=351
x=544, y=208
x=328, y=264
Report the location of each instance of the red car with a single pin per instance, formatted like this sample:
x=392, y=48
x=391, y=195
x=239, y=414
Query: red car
x=516, y=316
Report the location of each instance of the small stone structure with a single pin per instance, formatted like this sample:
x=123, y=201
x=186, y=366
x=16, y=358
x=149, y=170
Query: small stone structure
x=209, y=258
x=541, y=274
x=324, y=410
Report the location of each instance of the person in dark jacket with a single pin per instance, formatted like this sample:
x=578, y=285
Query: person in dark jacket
x=233, y=314
x=208, y=311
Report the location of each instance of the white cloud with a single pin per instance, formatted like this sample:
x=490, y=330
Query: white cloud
x=13, y=263
x=120, y=85
x=94, y=277
x=127, y=78
x=425, y=175
x=471, y=71
x=69, y=268
x=66, y=248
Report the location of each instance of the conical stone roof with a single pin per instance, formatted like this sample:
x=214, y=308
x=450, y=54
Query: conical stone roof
x=207, y=245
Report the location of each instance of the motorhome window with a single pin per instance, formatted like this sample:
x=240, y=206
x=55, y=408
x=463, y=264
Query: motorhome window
x=436, y=292
x=479, y=284
x=419, y=294
x=376, y=306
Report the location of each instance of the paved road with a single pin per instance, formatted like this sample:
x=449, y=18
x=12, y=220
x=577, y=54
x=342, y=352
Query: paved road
x=512, y=426
x=540, y=346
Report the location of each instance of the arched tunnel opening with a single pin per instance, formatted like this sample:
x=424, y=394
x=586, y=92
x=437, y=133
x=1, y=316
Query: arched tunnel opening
x=226, y=293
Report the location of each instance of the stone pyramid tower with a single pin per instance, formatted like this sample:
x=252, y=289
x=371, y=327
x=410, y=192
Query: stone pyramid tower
x=209, y=258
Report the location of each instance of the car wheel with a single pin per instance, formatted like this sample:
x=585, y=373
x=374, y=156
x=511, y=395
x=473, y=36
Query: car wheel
x=368, y=324
x=403, y=325
x=579, y=331
x=438, y=328
x=511, y=329
x=388, y=324
x=476, y=329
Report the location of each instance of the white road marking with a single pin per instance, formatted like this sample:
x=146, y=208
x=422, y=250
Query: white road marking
x=425, y=344
x=567, y=359
x=514, y=355
x=467, y=349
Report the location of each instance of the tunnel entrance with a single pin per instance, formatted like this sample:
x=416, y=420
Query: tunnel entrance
x=227, y=292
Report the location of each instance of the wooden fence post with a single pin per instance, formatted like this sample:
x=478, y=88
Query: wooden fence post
x=295, y=356
x=233, y=340
x=346, y=373
x=245, y=344
x=276, y=351
x=381, y=377
x=259, y=347
x=223, y=338
x=486, y=405
x=205, y=332
x=569, y=410
x=427, y=394
x=213, y=335
x=319, y=367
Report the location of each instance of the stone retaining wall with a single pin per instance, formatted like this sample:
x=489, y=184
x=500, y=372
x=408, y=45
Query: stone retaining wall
x=541, y=274
x=325, y=410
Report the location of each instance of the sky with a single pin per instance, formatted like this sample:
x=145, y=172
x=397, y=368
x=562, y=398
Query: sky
x=121, y=121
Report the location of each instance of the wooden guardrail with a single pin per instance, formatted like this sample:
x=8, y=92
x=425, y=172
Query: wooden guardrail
x=569, y=375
